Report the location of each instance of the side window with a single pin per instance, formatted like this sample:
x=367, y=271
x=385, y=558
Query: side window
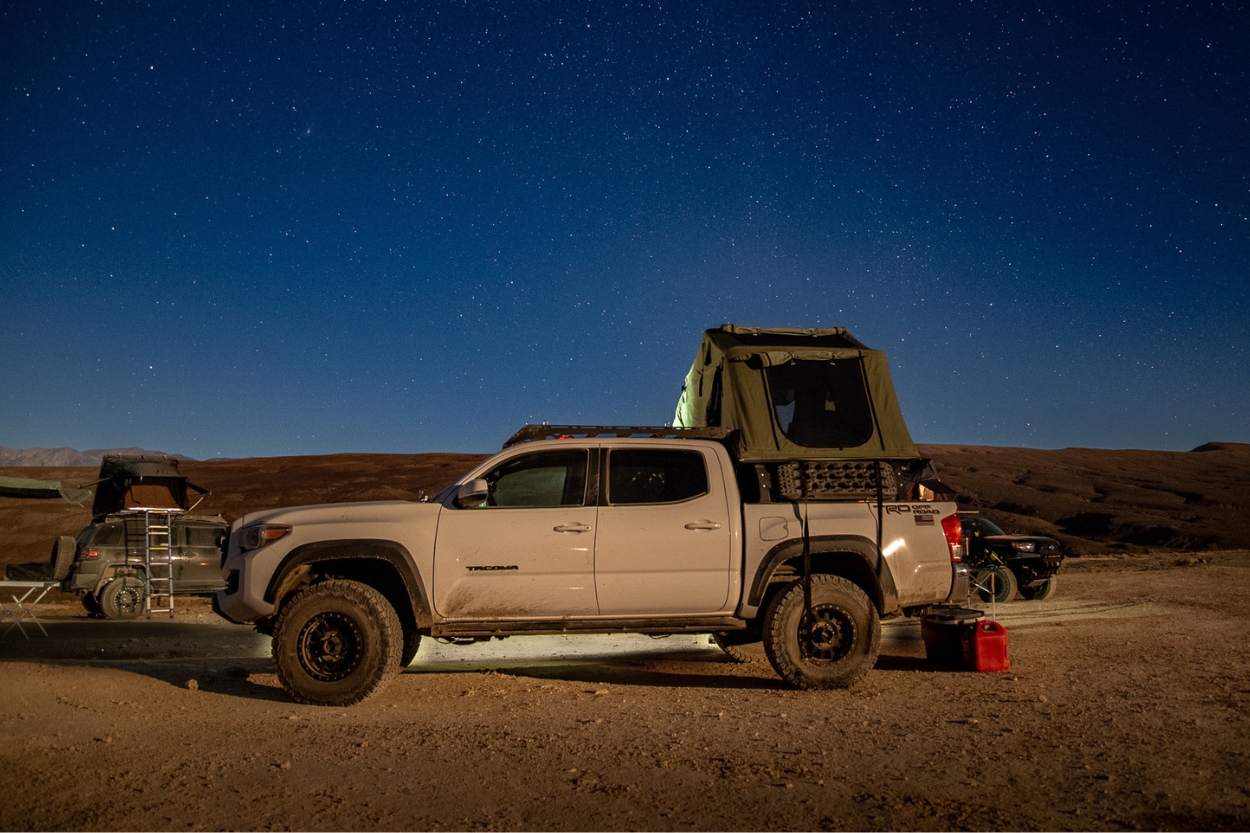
x=107, y=535
x=546, y=478
x=202, y=536
x=654, y=475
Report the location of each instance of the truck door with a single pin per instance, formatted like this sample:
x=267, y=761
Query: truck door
x=528, y=551
x=664, y=535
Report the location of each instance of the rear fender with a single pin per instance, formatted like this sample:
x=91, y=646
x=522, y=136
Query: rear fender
x=852, y=557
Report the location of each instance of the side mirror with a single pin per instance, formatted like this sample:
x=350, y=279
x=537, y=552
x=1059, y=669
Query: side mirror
x=472, y=494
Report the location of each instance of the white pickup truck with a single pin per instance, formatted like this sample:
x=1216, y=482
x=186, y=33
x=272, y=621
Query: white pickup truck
x=635, y=530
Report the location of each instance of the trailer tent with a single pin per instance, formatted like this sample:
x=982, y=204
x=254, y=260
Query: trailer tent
x=795, y=394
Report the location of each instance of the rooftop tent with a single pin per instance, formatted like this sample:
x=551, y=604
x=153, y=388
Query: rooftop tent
x=795, y=395
x=140, y=483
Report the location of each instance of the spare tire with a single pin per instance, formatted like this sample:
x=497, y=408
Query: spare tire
x=62, y=560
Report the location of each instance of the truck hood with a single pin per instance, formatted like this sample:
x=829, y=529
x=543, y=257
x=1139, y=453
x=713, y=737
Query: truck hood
x=388, y=511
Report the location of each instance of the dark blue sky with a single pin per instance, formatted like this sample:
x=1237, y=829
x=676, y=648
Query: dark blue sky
x=236, y=229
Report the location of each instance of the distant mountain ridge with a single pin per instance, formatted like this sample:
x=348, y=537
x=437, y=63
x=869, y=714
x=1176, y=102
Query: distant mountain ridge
x=71, y=457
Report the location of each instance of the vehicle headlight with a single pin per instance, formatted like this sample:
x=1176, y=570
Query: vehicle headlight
x=261, y=535
x=1024, y=546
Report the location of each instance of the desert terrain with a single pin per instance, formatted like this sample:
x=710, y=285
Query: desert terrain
x=1124, y=707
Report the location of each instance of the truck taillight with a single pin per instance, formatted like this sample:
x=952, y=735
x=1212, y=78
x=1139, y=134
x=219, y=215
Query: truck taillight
x=954, y=537
x=91, y=553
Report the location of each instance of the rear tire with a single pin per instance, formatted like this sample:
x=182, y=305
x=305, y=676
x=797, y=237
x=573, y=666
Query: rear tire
x=336, y=643
x=122, y=598
x=836, y=648
x=412, y=644
x=62, y=559
x=741, y=646
x=1041, y=591
x=996, y=584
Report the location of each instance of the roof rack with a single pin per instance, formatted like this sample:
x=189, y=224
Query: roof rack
x=531, y=433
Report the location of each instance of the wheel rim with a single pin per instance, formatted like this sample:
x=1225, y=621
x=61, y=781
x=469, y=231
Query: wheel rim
x=329, y=647
x=127, y=600
x=827, y=635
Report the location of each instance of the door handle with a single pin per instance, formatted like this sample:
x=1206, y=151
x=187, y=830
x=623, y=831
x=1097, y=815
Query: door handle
x=571, y=528
x=703, y=525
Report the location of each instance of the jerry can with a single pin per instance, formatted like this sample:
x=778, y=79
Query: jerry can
x=985, y=647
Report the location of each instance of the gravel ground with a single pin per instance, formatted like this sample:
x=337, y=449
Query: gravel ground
x=1123, y=709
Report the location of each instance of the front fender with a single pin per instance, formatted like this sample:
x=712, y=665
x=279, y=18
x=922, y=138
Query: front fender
x=357, y=559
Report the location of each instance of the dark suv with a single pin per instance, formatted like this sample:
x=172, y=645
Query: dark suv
x=1001, y=563
x=108, y=562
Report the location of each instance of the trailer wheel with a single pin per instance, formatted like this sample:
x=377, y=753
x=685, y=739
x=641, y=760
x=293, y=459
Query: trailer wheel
x=835, y=646
x=336, y=643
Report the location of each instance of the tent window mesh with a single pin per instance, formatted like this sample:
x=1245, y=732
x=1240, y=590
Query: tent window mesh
x=821, y=404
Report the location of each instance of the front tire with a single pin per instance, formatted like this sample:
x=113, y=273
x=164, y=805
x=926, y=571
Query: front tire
x=834, y=647
x=122, y=598
x=336, y=643
x=1041, y=591
x=996, y=584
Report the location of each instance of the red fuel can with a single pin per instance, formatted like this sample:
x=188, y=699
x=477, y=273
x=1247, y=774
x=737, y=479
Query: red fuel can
x=985, y=647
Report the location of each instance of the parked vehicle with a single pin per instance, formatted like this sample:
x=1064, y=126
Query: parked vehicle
x=1002, y=564
x=802, y=527
x=108, y=567
x=141, y=544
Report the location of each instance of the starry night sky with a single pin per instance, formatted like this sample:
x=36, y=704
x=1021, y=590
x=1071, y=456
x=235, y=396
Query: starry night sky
x=255, y=229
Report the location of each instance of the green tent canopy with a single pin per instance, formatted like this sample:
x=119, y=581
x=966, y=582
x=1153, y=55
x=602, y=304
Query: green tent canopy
x=795, y=394
x=22, y=487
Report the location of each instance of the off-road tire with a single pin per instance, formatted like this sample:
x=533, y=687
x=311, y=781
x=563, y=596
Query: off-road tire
x=336, y=643
x=62, y=560
x=1005, y=584
x=740, y=646
x=842, y=646
x=92, y=605
x=1041, y=591
x=122, y=597
x=412, y=644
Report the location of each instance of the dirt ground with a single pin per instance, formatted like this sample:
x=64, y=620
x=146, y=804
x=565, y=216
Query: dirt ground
x=1124, y=709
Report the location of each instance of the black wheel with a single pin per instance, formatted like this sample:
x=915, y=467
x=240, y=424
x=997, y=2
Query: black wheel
x=412, y=644
x=834, y=647
x=122, y=598
x=336, y=643
x=92, y=605
x=62, y=559
x=741, y=646
x=996, y=584
x=1041, y=591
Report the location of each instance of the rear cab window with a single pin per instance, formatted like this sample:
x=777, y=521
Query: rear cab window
x=655, y=475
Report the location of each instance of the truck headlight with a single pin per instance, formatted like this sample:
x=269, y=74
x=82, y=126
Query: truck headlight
x=1024, y=546
x=261, y=535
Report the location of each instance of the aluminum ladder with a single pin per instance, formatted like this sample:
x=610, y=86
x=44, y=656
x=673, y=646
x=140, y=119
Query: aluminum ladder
x=158, y=561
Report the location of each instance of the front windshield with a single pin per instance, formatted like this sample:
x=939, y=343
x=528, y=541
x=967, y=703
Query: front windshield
x=982, y=526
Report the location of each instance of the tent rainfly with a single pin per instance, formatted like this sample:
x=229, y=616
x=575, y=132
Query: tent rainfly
x=795, y=394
